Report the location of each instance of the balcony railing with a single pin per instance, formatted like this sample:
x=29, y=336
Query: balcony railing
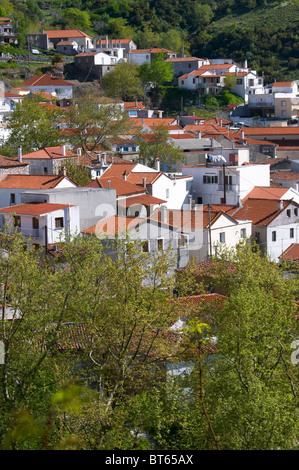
x=29, y=232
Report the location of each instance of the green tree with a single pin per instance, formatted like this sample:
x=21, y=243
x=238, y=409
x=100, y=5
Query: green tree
x=159, y=146
x=76, y=18
x=33, y=127
x=155, y=74
x=94, y=118
x=123, y=82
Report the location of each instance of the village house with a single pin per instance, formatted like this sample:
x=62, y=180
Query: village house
x=155, y=236
x=57, y=87
x=141, y=56
x=222, y=182
x=185, y=65
x=98, y=63
x=208, y=228
x=104, y=43
x=54, y=37
x=42, y=222
x=173, y=189
x=285, y=137
x=8, y=101
x=47, y=161
x=10, y=166
x=67, y=48
x=274, y=219
x=7, y=31
x=12, y=186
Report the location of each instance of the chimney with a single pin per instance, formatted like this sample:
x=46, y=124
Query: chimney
x=157, y=164
x=79, y=151
x=144, y=182
x=108, y=182
x=199, y=135
x=242, y=134
x=220, y=122
x=296, y=187
x=63, y=171
x=190, y=202
x=63, y=150
x=280, y=205
x=106, y=41
x=136, y=103
x=125, y=175
x=245, y=64
x=20, y=154
x=103, y=159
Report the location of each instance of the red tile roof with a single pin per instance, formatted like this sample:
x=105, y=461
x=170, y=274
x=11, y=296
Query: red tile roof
x=143, y=199
x=34, y=208
x=48, y=153
x=133, y=105
x=31, y=181
x=260, y=211
x=183, y=59
x=291, y=253
x=153, y=50
x=282, y=84
x=7, y=162
x=260, y=192
x=45, y=80
x=65, y=33
x=269, y=131
x=122, y=187
x=285, y=175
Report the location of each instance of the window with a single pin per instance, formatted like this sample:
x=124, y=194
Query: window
x=45, y=170
x=182, y=82
x=12, y=198
x=59, y=222
x=35, y=223
x=210, y=179
x=251, y=82
x=296, y=211
x=17, y=221
x=189, y=65
x=145, y=247
x=199, y=200
x=182, y=241
x=283, y=113
x=289, y=212
x=291, y=233
x=243, y=232
x=257, y=237
x=274, y=236
x=160, y=244
x=283, y=103
x=222, y=237
x=239, y=81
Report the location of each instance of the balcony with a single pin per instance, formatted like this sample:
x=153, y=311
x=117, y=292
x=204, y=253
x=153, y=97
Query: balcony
x=30, y=232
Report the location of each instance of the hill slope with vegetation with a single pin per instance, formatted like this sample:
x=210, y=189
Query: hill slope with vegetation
x=265, y=32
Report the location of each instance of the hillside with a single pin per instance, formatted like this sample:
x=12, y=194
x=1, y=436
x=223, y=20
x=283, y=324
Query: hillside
x=265, y=32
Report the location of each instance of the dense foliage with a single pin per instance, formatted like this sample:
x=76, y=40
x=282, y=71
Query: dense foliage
x=265, y=32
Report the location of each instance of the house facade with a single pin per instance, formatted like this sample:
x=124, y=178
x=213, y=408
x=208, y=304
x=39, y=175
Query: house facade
x=42, y=223
x=57, y=87
x=7, y=31
x=222, y=184
x=48, y=161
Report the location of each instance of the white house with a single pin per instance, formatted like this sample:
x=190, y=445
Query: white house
x=172, y=189
x=220, y=183
x=62, y=89
x=140, y=56
x=274, y=222
x=44, y=223
x=12, y=186
x=8, y=101
x=245, y=83
x=56, y=36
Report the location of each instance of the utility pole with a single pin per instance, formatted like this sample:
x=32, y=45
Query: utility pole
x=210, y=238
x=224, y=185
